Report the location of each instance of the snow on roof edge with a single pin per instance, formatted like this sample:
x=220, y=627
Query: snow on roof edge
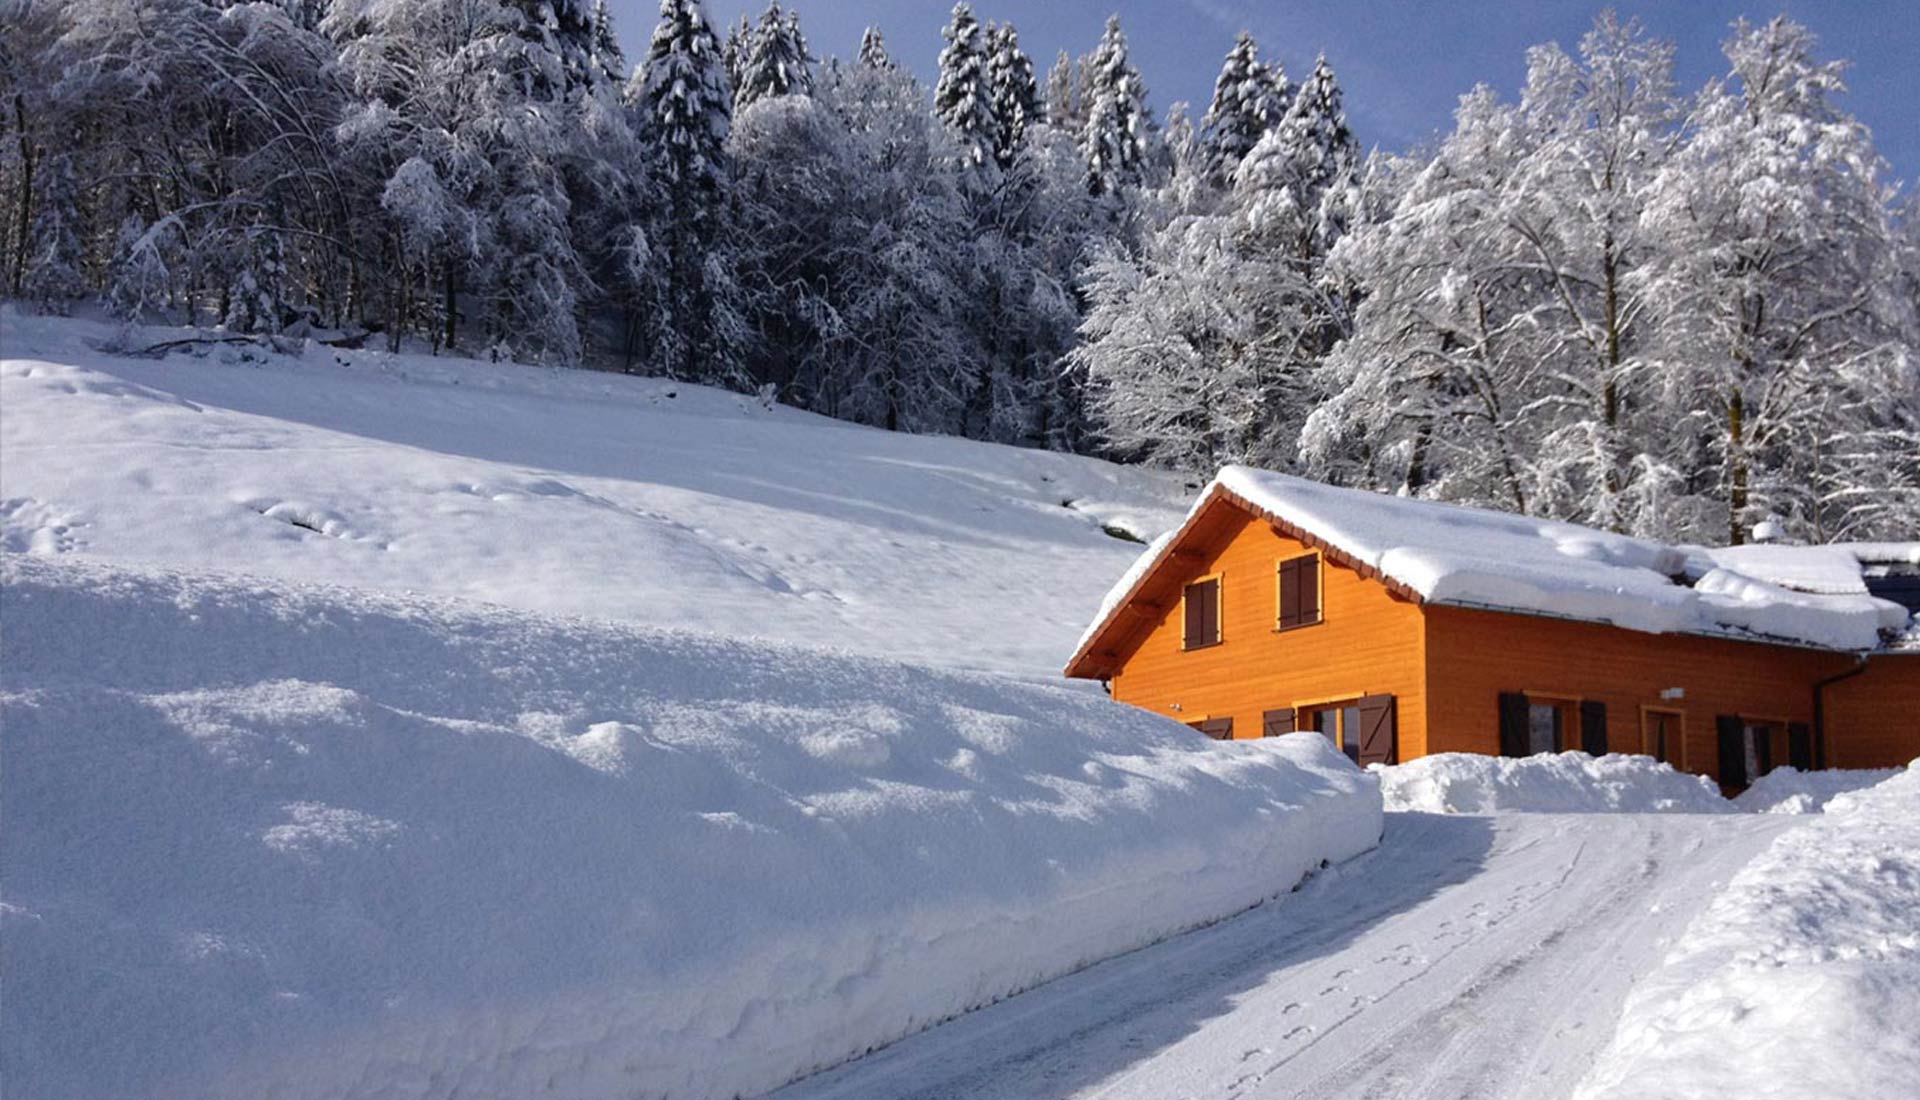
x=1459, y=555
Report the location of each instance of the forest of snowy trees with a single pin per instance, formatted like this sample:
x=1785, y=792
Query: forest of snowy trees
x=1663, y=311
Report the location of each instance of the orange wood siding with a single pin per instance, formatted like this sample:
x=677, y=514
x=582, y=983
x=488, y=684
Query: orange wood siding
x=1873, y=719
x=1473, y=656
x=1367, y=642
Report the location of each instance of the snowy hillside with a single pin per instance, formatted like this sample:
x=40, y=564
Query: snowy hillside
x=308, y=842
x=561, y=491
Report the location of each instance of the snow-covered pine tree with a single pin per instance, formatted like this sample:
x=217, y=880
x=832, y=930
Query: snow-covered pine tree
x=609, y=60
x=1118, y=128
x=1319, y=147
x=963, y=95
x=1015, y=92
x=1774, y=277
x=686, y=324
x=733, y=52
x=1245, y=106
x=873, y=50
x=776, y=60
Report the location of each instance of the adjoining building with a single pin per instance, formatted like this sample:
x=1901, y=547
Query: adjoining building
x=1401, y=627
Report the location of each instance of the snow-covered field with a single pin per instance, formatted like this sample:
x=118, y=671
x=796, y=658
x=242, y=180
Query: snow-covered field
x=1788, y=790
x=1802, y=979
x=267, y=841
x=561, y=491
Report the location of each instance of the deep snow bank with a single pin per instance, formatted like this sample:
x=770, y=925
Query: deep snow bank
x=1788, y=790
x=1560, y=783
x=1801, y=979
x=316, y=843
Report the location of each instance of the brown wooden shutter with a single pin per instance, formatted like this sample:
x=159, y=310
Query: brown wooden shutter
x=1289, y=593
x=1593, y=727
x=1378, y=734
x=1195, y=615
x=1212, y=632
x=1220, y=729
x=1513, y=723
x=1800, y=746
x=1307, y=577
x=1733, y=753
x=1276, y=722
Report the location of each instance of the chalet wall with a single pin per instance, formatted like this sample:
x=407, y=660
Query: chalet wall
x=1475, y=655
x=1368, y=642
x=1873, y=719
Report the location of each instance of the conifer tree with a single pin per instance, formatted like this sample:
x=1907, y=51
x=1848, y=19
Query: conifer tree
x=682, y=112
x=1115, y=143
x=776, y=60
x=873, y=50
x=1245, y=106
x=1015, y=92
x=609, y=60
x=963, y=95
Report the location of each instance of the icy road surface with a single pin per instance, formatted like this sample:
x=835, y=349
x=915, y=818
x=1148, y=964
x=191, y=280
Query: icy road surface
x=1466, y=957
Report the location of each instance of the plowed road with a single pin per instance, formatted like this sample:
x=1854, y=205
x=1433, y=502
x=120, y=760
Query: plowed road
x=1465, y=957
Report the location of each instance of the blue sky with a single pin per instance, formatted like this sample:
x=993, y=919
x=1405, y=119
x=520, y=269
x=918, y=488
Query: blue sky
x=1403, y=63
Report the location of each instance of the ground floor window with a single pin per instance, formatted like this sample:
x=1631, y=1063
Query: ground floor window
x=1220, y=729
x=1757, y=744
x=1660, y=735
x=1340, y=722
x=1534, y=722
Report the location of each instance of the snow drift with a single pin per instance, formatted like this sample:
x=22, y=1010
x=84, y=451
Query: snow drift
x=1788, y=790
x=1801, y=979
x=308, y=842
x=1560, y=783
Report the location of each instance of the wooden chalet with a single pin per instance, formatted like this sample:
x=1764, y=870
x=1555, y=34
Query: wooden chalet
x=1399, y=627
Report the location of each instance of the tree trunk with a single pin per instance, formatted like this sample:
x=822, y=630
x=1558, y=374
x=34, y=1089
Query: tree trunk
x=452, y=292
x=1736, y=467
x=25, y=227
x=1610, y=396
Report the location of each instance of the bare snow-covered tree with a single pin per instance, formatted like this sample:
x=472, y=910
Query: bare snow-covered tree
x=1774, y=277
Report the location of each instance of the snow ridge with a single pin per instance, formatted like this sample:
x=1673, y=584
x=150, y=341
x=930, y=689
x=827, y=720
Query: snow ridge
x=315, y=842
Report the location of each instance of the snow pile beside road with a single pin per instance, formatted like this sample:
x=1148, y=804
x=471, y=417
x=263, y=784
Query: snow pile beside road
x=307, y=842
x=1557, y=783
x=1788, y=790
x=1801, y=979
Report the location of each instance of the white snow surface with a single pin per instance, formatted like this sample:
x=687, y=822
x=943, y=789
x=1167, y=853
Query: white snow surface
x=1561, y=783
x=1801, y=979
x=266, y=840
x=1788, y=790
x=1452, y=554
x=561, y=491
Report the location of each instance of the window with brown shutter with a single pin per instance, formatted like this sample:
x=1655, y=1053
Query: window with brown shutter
x=1299, y=592
x=1220, y=729
x=1202, y=613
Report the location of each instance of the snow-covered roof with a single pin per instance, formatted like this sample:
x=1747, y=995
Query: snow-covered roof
x=1472, y=557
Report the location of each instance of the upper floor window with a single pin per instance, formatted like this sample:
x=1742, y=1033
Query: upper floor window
x=1202, y=608
x=1299, y=591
